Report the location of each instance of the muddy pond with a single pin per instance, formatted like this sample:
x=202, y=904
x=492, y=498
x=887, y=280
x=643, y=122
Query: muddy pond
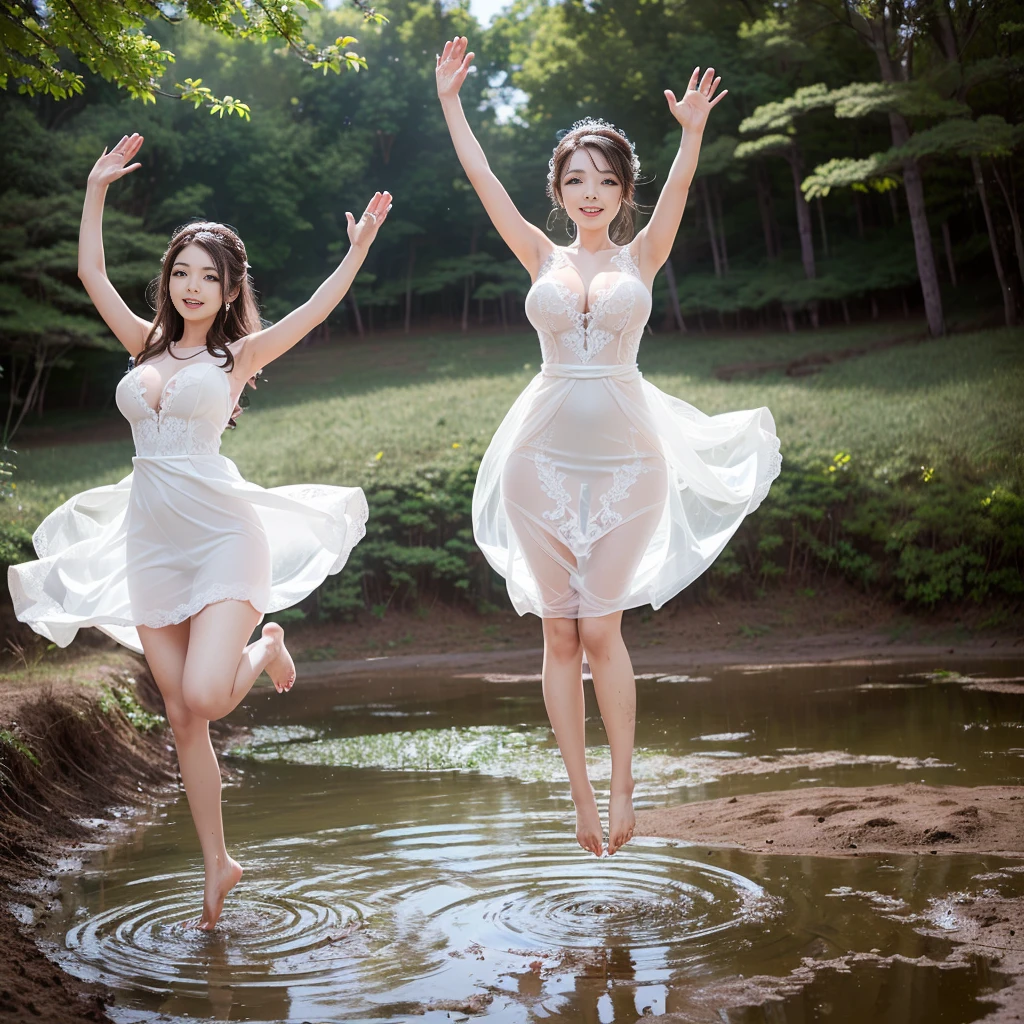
x=409, y=855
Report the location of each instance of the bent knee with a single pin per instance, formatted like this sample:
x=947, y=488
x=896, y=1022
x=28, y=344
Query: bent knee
x=561, y=638
x=200, y=698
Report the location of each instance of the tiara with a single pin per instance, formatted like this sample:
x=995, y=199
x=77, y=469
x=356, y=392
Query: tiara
x=593, y=123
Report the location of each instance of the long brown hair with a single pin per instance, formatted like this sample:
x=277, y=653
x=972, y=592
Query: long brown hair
x=613, y=145
x=242, y=318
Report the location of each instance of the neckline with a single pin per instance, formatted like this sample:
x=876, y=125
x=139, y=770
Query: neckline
x=587, y=302
x=140, y=390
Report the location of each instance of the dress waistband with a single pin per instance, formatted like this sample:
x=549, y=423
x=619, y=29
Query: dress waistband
x=588, y=371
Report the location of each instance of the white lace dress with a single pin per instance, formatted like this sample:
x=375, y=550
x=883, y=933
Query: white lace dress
x=183, y=530
x=599, y=492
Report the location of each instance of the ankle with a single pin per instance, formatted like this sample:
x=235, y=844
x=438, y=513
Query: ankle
x=583, y=798
x=623, y=788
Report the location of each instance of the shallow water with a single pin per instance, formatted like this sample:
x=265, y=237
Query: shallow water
x=408, y=846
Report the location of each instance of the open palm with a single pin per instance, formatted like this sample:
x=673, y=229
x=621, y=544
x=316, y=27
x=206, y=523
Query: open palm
x=452, y=67
x=692, y=110
x=364, y=230
x=112, y=165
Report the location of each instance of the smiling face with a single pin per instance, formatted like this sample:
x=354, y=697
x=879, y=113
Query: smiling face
x=590, y=189
x=195, y=284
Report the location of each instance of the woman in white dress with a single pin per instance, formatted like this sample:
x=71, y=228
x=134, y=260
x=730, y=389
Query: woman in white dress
x=182, y=559
x=599, y=492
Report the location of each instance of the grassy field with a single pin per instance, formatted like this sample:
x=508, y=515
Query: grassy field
x=325, y=413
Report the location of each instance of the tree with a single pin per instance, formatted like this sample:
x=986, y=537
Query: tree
x=110, y=38
x=894, y=30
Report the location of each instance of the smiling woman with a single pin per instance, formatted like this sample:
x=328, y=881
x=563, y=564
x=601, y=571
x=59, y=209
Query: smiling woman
x=598, y=492
x=182, y=558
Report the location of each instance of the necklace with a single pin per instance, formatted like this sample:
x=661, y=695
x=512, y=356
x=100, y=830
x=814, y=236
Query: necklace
x=198, y=349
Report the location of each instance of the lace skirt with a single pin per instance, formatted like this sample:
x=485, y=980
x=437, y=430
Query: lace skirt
x=601, y=494
x=175, y=535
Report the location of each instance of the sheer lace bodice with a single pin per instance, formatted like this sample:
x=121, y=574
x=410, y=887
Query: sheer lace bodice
x=190, y=408
x=602, y=327
x=598, y=492
x=184, y=529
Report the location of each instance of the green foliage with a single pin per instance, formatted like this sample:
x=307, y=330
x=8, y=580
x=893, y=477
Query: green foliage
x=15, y=544
x=18, y=745
x=919, y=540
x=122, y=699
x=112, y=40
x=419, y=541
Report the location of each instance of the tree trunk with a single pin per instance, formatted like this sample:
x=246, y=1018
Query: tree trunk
x=948, y=245
x=673, y=294
x=803, y=218
x=408, y=285
x=468, y=287
x=1009, y=307
x=764, y=207
x=821, y=224
x=914, y=186
x=357, y=316
x=860, y=215
x=723, y=251
x=1011, y=206
x=709, y=217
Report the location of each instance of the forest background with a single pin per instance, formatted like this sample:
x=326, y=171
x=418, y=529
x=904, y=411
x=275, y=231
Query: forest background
x=856, y=193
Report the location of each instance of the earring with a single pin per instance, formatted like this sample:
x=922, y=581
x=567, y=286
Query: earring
x=227, y=306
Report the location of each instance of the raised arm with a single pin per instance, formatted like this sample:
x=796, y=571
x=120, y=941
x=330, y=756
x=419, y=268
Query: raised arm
x=529, y=244
x=654, y=242
x=266, y=345
x=129, y=329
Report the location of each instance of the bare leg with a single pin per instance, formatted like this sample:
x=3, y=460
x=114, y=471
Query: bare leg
x=563, y=698
x=166, y=650
x=616, y=696
x=220, y=669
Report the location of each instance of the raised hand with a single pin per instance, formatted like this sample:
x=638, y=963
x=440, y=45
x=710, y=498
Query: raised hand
x=452, y=67
x=693, y=109
x=363, y=231
x=111, y=166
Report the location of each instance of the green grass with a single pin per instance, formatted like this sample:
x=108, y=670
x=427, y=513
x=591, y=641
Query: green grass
x=326, y=412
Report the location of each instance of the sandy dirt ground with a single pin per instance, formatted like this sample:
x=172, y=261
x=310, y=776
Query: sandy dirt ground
x=852, y=821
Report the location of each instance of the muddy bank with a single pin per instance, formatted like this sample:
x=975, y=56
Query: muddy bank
x=69, y=751
x=841, y=821
x=801, y=626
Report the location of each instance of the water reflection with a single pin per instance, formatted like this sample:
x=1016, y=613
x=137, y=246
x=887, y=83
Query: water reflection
x=436, y=887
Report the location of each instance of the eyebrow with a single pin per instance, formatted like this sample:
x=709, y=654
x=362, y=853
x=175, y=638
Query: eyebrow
x=576, y=170
x=182, y=263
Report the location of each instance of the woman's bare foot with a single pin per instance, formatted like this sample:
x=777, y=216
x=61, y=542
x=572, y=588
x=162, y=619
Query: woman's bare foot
x=280, y=668
x=218, y=885
x=621, y=820
x=589, y=833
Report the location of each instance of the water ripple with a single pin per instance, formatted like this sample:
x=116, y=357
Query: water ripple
x=403, y=904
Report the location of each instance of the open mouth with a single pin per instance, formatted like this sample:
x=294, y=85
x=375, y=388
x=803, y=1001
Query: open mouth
x=591, y=211
x=192, y=303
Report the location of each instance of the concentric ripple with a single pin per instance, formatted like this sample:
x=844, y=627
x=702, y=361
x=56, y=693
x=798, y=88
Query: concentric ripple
x=147, y=944
x=655, y=901
x=390, y=909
